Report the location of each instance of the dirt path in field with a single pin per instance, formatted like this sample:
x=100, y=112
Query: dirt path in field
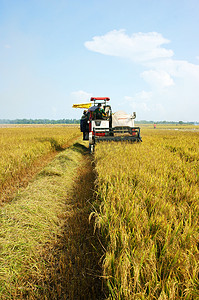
x=84, y=249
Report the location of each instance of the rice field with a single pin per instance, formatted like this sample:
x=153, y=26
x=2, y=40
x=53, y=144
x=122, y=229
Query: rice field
x=47, y=245
x=145, y=205
x=21, y=147
x=147, y=210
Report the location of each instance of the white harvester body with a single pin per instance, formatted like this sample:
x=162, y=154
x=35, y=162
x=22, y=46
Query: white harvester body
x=108, y=126
x=121, y=118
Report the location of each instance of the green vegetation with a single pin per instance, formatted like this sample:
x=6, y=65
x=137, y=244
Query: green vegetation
x=39, y=121
x=75, y=121
x=167, y=122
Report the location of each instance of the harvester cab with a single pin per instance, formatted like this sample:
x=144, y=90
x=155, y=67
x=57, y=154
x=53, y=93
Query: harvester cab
x=99, y=124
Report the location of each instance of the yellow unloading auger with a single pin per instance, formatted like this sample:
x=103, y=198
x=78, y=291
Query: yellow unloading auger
x=109, y=126
x=82, y=105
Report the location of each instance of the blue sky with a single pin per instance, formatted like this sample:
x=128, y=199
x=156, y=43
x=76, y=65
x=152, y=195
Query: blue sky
x=143, y=54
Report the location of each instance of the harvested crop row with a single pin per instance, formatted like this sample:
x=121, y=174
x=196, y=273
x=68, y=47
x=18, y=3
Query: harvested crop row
x=48, y=247
x=149, y=215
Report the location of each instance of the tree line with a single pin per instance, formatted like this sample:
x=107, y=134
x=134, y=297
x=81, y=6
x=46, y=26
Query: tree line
x=75, y=121
x=39, y=121
x=166, y=122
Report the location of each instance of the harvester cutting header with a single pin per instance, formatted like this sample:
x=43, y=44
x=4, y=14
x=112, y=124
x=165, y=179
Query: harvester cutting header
x=99, y=124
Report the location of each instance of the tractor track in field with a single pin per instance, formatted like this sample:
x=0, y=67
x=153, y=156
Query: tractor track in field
x=79, y=251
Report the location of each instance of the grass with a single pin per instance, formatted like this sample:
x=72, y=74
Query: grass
x=147, y=210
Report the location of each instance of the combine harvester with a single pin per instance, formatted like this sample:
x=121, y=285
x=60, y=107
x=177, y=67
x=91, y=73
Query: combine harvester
x=110, y=126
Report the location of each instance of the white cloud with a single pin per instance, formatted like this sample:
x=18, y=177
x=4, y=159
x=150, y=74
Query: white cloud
x=176, y=68
x=140, y=102
x=138, y=47
x=146, y=106
x=157, y=79
x=81, y=96
x=7, y=46
x=146, y=49
x=143, y=95
x=173, y=83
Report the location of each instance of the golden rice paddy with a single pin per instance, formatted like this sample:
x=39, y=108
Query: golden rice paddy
x=21, y=147
x=148, y=212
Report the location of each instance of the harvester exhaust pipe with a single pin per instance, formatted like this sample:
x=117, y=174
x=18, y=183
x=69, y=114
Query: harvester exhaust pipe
x=134, y=115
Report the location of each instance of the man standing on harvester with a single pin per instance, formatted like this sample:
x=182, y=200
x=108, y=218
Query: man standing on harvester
x=84, y=124
x=99, y=113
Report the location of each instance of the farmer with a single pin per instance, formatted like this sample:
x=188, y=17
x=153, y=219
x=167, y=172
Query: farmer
x=99, y=113
x=84, y=124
